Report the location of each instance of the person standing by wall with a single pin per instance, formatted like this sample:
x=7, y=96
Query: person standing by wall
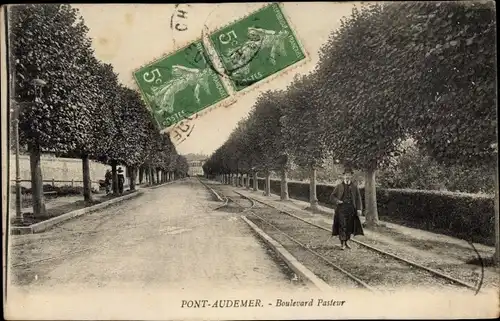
x=349, y=206
x=107, y=181
x=121, y=180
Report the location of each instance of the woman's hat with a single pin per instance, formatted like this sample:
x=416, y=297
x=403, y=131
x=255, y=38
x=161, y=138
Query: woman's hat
x=120, y=170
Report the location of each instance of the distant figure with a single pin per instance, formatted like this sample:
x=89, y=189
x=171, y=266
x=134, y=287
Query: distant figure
x=121, y=180
x=107, y=181
x=347, y=197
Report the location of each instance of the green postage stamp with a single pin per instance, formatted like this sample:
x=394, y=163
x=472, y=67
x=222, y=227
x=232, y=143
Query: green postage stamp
x=249, y=50
x=180, y=85
x=257, y=46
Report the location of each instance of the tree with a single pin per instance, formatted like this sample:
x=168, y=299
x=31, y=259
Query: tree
x=134, y=117
x=49, y=42
x=363, y=114
x=253, y=149
x=456, y=62
x=300, y=130
x=111, y=149
x=273, y=154
x=182, y=166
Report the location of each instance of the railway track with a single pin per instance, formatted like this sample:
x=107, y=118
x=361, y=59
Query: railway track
x=378, y=269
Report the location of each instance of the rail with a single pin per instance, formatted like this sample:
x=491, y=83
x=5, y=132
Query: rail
x=251, y=209
x=411, y=263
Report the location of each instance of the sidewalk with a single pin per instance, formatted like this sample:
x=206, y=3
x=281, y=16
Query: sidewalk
x=64, y=200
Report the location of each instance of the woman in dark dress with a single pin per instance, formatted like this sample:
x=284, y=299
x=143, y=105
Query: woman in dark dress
x=121, y=180
x=107, y=181
x=347, y=198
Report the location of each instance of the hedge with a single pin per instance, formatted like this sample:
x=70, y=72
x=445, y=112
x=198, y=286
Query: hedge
x=466, y=216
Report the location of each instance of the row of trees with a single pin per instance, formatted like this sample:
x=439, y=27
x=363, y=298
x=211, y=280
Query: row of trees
x=69, y=102
x=420, y=70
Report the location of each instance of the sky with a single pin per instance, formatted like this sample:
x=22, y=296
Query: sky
x=129, y=36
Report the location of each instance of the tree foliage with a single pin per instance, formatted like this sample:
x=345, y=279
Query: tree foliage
x=454, y=113
x=360, y=80
x=49, y=42
x=416, y=169
x=391, y=71
x=82, y=109
x=300, y=123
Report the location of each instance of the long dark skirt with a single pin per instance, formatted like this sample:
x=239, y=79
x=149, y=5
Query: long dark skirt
x=346, y=222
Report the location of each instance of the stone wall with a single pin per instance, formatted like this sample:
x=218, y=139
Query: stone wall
x=58, y=169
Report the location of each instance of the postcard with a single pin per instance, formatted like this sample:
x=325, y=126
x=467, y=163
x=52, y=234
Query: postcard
x=250, y=161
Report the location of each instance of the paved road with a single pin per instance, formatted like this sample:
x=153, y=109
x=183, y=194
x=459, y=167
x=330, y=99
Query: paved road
x=168, y=238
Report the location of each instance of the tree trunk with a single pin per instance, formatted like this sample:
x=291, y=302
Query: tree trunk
x=87, y=184
x=497, y=221
x=36, y=181
x=133, y=176
x=284, y=185
x=371, y=198
x=268, y=184
x=313, y=199
x=247, y=182
x=141, y=174
x=255, y=181
x=158, y=176
x=114, y=177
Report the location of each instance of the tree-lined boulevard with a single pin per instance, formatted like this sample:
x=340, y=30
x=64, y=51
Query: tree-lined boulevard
x=400, y=110
x=419, y=70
